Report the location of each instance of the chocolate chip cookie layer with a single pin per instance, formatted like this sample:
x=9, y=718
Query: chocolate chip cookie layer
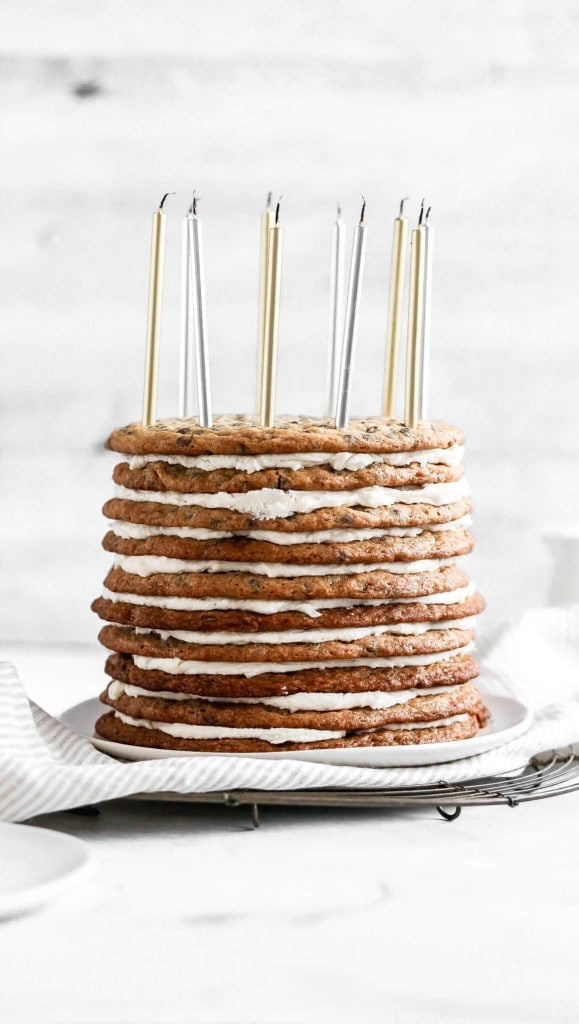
x=289, y=588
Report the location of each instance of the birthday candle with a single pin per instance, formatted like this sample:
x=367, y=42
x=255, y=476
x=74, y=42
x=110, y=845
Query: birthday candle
x=398, y=265
x=336, y=307
x=186, y=353
x=197, y=275
x=428, y=239
x=415, y=327
x=154, y=314
x=351, y=321
x=271, y=330
x=267, y=222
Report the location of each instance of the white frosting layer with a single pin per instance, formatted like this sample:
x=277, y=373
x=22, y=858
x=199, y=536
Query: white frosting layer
x=219, y=732
x=312, y=609
x=270, y=503
x=177, y=666
x=150, y=565
x=209, y=732
x=376, y=700
x=302, y=460
x=312, y=636
x=139, y=531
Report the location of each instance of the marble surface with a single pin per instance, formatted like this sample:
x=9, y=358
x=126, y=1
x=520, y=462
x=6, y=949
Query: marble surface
x=191, y=916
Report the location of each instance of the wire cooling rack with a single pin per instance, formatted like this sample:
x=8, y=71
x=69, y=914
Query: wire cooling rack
x=541, y=778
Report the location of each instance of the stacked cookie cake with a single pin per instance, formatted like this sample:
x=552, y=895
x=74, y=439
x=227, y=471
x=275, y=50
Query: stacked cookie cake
x=289, y=588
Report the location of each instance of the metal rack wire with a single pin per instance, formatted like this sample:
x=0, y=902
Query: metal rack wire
x=540, y=779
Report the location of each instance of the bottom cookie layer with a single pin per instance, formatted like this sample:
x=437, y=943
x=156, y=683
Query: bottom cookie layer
x=122, y=730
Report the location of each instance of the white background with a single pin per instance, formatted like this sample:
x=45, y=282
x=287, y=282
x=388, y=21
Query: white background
x=106, y=106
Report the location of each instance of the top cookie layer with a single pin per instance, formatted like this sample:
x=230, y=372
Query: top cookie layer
x=242, y=435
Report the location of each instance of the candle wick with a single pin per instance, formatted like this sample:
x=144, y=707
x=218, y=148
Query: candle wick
x=427, y=214
x=421, y=214
x=339, y=208
x=164, y=197
x=268, y=201
x=277, y=210
x=402, y=201
x=193, y=208
x=363, y=210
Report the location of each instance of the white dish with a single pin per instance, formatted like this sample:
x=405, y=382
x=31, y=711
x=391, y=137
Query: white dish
x=36, y=864
x=509, y=718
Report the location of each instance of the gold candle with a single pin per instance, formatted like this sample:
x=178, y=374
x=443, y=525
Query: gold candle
x=154, y=315
x=336, y=307
x=414, y=340
x=398, y=264
x=271, y=327
x=267, y=222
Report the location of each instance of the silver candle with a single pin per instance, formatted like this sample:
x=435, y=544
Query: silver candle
x=351, y=321
x=197, y=277
x=336, y=308
x=185, y=397
x=427, y=243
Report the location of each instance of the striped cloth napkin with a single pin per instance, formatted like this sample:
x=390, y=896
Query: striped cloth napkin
x=45, y=767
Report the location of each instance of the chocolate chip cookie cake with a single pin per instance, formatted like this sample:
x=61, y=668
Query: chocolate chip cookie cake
x=289, y=588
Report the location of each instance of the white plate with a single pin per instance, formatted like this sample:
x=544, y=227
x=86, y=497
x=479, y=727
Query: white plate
x=35, y=865
x=509, y=718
